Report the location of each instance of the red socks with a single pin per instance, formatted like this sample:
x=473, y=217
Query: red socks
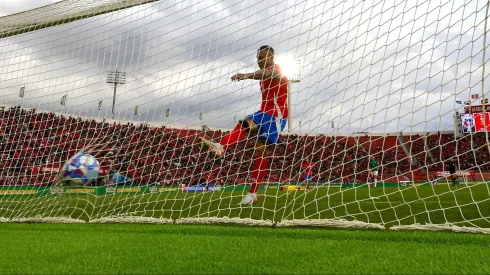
x=234, y=136
x=258, y=173
x=260, y=166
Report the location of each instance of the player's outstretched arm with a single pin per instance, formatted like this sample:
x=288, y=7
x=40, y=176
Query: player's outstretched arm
x=257, y=75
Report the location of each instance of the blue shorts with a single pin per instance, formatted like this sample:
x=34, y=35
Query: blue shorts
x=269, y=126
x=308, y=177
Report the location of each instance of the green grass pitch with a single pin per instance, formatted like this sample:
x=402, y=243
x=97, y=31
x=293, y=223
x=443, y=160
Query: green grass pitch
x=129, y=248
x=465, y=205
x=218, y=249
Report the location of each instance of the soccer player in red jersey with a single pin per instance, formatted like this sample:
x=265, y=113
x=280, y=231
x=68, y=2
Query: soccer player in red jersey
x=346, y=181
x=265, y=124
x=307, y=171
x=473, y=176
x=209, y=180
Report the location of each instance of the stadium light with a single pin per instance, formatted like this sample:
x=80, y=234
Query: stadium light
x=290, y=68
x=116, y=77
x=22, y=91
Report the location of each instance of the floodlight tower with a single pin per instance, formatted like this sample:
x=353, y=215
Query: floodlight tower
x=292, y=79
x=116, y=77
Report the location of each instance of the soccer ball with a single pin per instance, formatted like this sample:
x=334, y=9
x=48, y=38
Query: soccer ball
x=81, y=168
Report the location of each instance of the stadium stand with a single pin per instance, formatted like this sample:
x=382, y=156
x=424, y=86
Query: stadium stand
x=35, y=145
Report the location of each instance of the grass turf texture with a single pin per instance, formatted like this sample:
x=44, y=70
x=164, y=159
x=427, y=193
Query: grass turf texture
x=464, y=206
x=133, y=248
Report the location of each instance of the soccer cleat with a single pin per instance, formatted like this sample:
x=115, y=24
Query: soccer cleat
x=213, y=146
x=249, y=199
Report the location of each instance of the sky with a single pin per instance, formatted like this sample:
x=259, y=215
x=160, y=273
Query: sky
x=367, y=66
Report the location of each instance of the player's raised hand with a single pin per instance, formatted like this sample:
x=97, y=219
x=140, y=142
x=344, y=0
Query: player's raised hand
x=238, y=77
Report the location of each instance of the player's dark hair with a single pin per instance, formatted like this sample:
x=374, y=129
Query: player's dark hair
x=265, y=47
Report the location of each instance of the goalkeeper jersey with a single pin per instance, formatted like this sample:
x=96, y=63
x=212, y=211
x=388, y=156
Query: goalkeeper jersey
x=373, y=165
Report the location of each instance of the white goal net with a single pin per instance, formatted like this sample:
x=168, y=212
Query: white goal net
x=325, y=113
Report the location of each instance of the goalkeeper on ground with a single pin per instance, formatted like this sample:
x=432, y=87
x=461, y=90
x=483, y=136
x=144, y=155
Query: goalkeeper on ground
x=265, y=124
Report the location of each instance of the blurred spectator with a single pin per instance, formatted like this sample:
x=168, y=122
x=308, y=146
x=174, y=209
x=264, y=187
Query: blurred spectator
x=31, y=140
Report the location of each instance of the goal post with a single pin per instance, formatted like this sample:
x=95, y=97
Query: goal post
x=393, y=73
x=61, y=13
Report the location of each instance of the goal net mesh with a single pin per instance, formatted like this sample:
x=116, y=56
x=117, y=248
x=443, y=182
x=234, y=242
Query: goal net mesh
x=138, y=83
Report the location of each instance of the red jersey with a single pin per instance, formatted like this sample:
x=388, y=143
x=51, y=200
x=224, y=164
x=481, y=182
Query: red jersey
x=472, y=174
x=209, y=177
x=306, y=167
x=275, y=95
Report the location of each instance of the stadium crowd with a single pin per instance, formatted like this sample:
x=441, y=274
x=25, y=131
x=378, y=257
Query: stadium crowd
x=35, y=145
